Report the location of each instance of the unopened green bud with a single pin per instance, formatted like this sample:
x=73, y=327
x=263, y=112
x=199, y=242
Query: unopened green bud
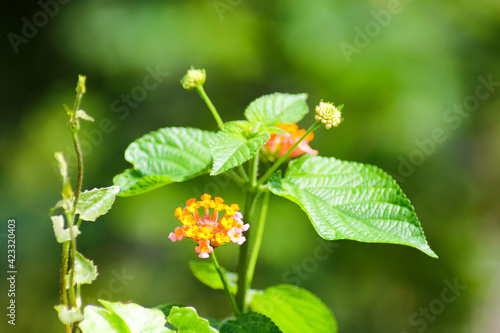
x=80, y=87
x=329, y=114
x=194, y=78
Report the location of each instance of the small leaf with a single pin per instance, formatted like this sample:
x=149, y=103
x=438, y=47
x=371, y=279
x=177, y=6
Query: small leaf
x=294, y=310
x=206, y=273
x=85, y=271
x=347, y=200
x=277, y=108
x=250, y=322
x=168, y=155
x=68, y=316
x=63, y=165
x=186, y=320
x=69, y=111
x=96, y=202
x=83, y=115
x=233, y=146
x=137, y=318
x=62, y=234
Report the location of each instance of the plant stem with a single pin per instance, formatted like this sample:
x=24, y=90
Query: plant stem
x=234, y=176
x=79, y=157
x=225, y=284
x=282, y=159
x=254, y=170
x=258, y=232
x=243, y=173
x=204, y=96
x=64, y=269
x=244, y=256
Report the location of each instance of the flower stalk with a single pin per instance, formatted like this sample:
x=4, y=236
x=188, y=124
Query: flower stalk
x=223, y=278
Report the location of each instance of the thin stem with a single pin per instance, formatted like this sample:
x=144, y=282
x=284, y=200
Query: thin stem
x=258, y=232
x=254, y=170
x=234, y=176
x=203, y=95
x=243, y=172
x=225, y=284
x=64, y=270
x=244, y=256
x=79, y=157
x=72, y=250
x=283, y=158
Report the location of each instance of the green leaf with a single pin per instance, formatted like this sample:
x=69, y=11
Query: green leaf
x=348, y=200
x=294, y=310
x=132, y=182
x=68, y=316
x=62, y=234
x=137, y=318
x=250, y=322
x=234, y=146
x=186, y=320
x=85, y=271
x=277, y=108
x=206, y=273
x=99, y=320
x=173, y=154
x=83, y=115
x=96, y=202
x=166, y=308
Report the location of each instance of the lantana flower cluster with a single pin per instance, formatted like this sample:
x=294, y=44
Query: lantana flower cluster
x=207, y=229
x=278, y=144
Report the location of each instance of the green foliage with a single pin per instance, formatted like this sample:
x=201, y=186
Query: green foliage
x=250, y=322
x=277, y=108
x=99, y=320
x=206, y=273
x=63, y=234
x=85, y=270
x=234, y=145
x=96, y=202
x=66, y=315
x=348, y=200
x=168, y=155
x=186, y=320
x=122, y=318
x=133, y=182
x=166, y=308
x=294, y=310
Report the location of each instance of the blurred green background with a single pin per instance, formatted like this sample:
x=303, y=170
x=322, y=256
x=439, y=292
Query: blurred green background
x=403, y=71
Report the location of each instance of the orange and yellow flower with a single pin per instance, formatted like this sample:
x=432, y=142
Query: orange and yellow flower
x=208, y=230
x=278, y=144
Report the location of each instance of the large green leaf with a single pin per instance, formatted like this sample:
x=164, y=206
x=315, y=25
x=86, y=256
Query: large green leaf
x=250, y=322
x=206, y=273
x=186, y=320
x=347, y=200
x=99, y=320
x=173, y=154
x=294, y=310
x=122, y=318
x=138, y=318
x=133, y=182
x=234, y=146
x=277, y=108
x=96, y=202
